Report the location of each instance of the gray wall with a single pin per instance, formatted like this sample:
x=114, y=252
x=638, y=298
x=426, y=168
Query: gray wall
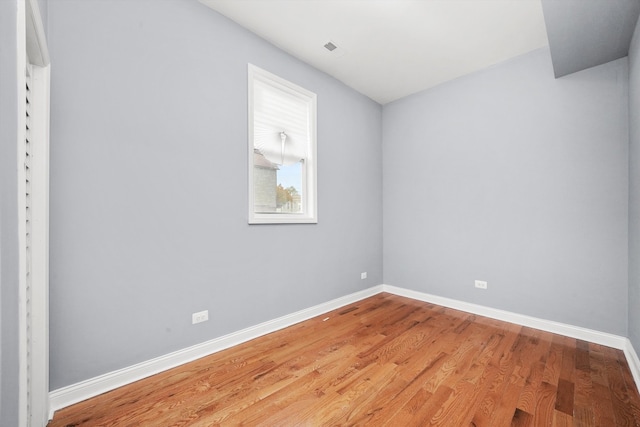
x=634, y=189
x=43, y=5
x=149, y=186
x=8, y=218
x=583, y=34
x=513, y=177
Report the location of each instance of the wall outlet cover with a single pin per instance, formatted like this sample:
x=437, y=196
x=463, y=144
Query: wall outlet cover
x=481, y=284
x=199, y=317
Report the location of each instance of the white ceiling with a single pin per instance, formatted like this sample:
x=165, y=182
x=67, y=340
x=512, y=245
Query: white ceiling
x=388, y=49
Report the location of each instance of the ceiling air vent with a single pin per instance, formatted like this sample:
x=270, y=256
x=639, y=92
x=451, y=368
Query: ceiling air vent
x=330, y=46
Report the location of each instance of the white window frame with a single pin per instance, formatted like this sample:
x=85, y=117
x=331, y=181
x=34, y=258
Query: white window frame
x=309, y=214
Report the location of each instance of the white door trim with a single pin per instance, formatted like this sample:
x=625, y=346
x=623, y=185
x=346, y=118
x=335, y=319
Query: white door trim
x=33, y=55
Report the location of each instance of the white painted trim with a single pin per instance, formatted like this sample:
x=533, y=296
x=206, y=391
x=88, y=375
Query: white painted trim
x=74, y=393
x=633, y=361
x=33, y=54
x=21, y=60
x=603, y=338
x=39, y=390
x=309, y=213
x=92, y=387
x=36, y=41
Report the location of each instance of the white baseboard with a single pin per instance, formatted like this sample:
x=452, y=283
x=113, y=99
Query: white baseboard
x=633, y=361
x=74, y=393
x=603, y=338
x=78, y=392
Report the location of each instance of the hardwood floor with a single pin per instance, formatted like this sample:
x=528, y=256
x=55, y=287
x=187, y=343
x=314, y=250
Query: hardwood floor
x=386, y=360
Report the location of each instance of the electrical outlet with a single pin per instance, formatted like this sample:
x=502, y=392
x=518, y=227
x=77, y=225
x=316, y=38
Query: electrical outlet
x=199, y=317
x=363, y=275
x=481, y=284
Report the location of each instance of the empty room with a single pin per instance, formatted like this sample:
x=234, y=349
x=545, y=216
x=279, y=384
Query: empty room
x=319, y=212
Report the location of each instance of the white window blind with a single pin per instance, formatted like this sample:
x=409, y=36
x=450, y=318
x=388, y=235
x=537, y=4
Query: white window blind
x=281, y=123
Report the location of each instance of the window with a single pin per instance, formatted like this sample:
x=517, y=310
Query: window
x=282, y=151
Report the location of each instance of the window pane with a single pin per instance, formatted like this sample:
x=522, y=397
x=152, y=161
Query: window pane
x=277, y=188
x=264, y=184
x=289, y=191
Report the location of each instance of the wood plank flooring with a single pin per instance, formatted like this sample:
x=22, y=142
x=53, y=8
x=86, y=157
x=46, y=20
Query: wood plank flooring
x=383, y=361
